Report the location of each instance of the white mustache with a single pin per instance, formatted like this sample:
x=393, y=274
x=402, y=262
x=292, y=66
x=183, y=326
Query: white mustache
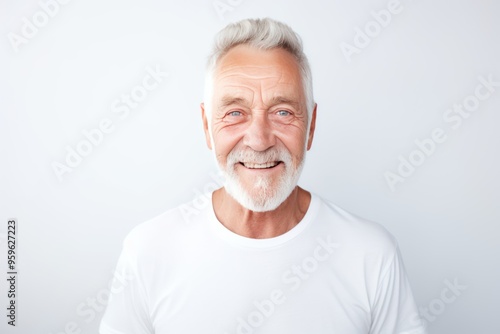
x=258, y=157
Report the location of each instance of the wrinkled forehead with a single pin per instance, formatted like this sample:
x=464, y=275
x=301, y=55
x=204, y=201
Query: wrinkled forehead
x=267, y=72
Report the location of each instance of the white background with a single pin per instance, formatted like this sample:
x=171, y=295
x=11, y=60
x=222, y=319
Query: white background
x=66, y=77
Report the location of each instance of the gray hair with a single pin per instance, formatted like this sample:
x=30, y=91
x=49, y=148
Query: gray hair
x=264, y=34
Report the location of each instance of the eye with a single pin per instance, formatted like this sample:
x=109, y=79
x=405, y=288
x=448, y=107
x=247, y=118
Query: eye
x=283, y=113
x=234, y=113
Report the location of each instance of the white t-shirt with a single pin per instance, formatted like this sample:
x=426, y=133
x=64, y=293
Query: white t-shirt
x=333, y=273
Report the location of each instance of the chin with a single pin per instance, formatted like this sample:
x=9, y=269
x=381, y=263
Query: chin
x=261, y=192
x=264, y=194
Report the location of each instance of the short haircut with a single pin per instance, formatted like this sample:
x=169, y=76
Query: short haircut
x=263, y=34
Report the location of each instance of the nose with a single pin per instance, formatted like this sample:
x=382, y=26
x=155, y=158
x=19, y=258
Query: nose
x=259, y=135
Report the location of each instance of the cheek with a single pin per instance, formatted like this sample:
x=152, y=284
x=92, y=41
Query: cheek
x=225, y=141
x=294, y=142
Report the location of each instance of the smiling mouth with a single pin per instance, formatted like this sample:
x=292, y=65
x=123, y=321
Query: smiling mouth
x=266, y=165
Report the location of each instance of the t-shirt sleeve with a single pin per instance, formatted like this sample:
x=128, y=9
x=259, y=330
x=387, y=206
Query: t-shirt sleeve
x=127, y=309
x=394, y=309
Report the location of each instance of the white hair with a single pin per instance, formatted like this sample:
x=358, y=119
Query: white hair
x=263, y=34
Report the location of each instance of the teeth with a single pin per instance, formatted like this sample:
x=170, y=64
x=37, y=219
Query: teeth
x=264, y=165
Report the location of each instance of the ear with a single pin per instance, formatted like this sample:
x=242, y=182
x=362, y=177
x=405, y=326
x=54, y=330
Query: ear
x=205, y=125
x=312, y=127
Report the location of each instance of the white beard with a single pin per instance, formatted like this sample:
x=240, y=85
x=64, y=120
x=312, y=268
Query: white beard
x=263, y=196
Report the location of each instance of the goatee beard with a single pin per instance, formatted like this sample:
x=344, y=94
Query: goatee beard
x=264, y=195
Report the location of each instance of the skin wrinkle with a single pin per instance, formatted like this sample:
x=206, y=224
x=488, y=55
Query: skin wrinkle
x=242, y=83
x=257, y=111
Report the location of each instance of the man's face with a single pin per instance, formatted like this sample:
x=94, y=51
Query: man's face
x=259, y=125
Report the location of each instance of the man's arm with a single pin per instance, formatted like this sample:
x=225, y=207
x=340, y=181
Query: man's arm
x=394, y=309
x=127, y=310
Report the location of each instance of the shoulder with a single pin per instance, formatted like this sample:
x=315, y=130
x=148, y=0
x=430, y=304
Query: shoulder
x=356, y=233
x=165, y=230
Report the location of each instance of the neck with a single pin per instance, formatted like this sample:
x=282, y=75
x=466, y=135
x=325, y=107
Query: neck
x=260, y=225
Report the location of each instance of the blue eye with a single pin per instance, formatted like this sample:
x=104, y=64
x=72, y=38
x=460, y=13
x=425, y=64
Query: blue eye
x=235, y=113
x=283, y=113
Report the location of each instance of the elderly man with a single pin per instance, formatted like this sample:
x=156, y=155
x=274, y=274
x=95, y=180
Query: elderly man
x=266, y=256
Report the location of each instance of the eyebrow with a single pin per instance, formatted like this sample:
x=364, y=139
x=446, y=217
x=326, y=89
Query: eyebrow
x=232, y=100
x=284, y=100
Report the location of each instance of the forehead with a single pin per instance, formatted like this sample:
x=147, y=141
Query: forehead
x=244, y=68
